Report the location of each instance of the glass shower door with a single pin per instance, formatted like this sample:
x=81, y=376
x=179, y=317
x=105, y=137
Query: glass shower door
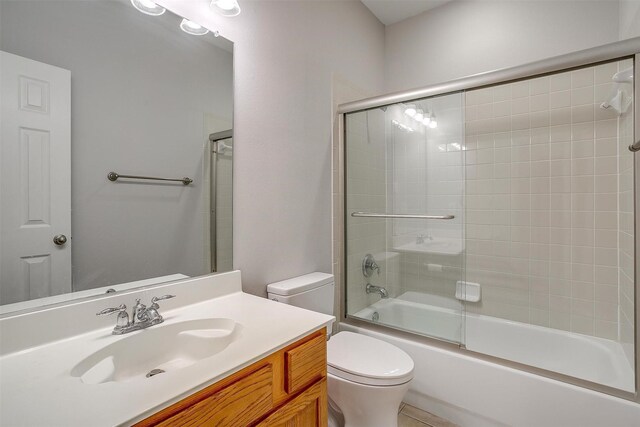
x=550, y=222
x=403, y=206
x=221, y=201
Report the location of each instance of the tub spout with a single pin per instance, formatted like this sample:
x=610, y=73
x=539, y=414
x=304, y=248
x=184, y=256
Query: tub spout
x=371, y=289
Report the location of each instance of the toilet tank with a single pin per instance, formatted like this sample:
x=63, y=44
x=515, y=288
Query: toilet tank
x=313, y=291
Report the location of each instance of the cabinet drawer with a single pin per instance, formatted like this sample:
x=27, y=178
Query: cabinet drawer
x=235, y=405
x=305, y=364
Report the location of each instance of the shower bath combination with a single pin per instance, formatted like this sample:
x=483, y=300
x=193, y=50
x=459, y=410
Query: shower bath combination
x=526, y=190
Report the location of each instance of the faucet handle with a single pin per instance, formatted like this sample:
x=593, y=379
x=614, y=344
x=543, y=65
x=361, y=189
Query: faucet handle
x=123, y=317
x=163, y=297
x=118, y=309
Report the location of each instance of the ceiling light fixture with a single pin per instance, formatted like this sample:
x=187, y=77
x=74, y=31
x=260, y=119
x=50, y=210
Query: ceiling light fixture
x=427, y=119
x=419, y=115
x=402, y=126
x=433, y=123
x=226, y=7
x=192, y=28
x=410, y=110
x=148, y=7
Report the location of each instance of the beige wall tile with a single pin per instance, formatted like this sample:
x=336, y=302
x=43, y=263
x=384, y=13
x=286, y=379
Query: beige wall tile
x=561, y=168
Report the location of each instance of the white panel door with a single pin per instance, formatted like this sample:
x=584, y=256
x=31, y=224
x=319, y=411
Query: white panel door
x=35, y=179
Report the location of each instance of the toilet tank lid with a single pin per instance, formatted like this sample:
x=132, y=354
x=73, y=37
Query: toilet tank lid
x=299, y=284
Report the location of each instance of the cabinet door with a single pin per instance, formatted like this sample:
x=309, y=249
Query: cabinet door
x=236, y=405
x=309, y=409
x=305, y=364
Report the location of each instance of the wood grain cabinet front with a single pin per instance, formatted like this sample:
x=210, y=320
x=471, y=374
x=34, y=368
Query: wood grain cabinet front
x=308, y=409
x=305, y=363
x=287, y=388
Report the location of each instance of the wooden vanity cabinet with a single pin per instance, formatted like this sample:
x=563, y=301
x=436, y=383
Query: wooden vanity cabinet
x=287, y=388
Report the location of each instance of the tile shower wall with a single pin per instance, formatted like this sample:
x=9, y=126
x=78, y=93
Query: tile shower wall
x=545, y=173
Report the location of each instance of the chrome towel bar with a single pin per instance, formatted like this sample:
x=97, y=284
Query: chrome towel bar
x=635, y=147
x=405, y=216
x=112, y=176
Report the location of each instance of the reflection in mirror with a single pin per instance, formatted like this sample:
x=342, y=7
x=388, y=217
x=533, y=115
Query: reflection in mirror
x=95, y=87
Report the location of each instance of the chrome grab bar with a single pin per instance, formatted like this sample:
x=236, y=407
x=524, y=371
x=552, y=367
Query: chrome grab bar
x=112, y=176
x=635, y=147
x=405, y=216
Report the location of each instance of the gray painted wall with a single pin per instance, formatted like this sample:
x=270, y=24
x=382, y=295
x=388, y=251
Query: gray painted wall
x=462, y=38
x=629, y=19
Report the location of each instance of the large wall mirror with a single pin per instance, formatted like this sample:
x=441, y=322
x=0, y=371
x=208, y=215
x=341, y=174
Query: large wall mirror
x=94, y=92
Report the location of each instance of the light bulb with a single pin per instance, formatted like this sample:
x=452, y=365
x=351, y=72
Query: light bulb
x=192, y=28
x=410, y=110
x=148, y=7
x=433, y=124
x=226, y=4
x=426, y=119
x=226, y=7
x=419, y=115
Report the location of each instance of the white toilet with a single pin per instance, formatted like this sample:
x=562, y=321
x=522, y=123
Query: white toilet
x=366, y=378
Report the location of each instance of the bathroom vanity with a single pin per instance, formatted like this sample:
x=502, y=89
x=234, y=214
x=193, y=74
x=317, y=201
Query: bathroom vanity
x=288, y=386
x=226, y=358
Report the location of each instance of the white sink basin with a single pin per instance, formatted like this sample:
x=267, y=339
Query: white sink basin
x=162, y=348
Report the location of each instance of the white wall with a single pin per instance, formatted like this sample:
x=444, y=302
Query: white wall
x=468, y=37
x=629, y=19
x=127, y=118
x=286, y=55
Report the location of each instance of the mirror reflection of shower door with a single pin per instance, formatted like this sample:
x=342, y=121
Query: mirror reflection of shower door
x=35, y=178
x=406, y=159
x=221, y=201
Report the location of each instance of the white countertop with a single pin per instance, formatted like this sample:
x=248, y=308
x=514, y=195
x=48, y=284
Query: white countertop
x=38, y=390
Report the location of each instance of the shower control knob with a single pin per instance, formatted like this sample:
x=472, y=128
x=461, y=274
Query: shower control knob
x=60, y=239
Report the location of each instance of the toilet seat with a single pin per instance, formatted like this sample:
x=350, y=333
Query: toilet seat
x=366, y=360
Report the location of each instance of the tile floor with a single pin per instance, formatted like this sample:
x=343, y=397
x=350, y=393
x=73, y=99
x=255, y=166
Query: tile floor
x=409, y=416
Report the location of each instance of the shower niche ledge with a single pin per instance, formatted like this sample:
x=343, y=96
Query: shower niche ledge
x=447, y=246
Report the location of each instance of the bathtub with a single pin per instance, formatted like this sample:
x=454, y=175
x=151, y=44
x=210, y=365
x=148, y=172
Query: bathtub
x=475, y=392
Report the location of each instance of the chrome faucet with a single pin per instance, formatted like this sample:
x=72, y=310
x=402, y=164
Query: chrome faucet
x=139, y=312
x=141, y=316
x=369, y=265
x=371, y=289
x=421, y=237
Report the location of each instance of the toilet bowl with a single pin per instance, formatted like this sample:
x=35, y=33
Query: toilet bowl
x=367, y=378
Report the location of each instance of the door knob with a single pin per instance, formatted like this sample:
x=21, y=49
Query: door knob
x=60, y=239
